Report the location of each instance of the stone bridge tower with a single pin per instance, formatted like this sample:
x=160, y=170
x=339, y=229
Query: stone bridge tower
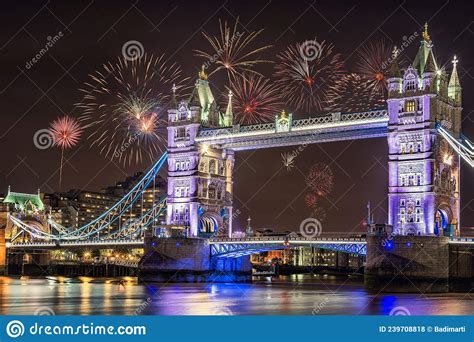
x=199, y=176
x=423, y=192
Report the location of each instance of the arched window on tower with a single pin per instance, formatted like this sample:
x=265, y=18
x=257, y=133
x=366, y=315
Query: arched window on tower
x=212, y=166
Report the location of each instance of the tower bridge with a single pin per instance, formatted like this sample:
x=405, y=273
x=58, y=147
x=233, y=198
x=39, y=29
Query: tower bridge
x=422, y=123
x=288, y=132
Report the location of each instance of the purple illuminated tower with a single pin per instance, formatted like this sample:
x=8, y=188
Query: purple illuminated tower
x=199, y=176
x=423, y=190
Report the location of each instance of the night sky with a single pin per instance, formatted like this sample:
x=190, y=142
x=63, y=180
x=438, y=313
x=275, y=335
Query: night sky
x=94, y=33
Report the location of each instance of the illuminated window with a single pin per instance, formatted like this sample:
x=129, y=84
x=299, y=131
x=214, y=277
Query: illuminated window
x=410, y=106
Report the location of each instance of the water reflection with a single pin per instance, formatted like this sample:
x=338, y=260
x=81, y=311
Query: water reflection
x=293, y=295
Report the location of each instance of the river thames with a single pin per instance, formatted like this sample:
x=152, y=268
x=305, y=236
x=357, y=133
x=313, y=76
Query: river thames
x=290, y=295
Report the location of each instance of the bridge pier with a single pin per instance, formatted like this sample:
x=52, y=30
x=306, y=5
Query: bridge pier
x=28, y=263
x=417, y=264
x=189, y=260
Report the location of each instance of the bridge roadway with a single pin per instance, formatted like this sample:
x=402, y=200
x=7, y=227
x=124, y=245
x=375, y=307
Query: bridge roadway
x=232, y=247
x=327, y=128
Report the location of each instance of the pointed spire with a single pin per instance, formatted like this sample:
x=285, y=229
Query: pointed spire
x=425, y=35
x=454, y=80
x=394, y=67
x=194, y=100
x=174, y=102
x=424, y=52
x=202, y=74
x=229, y=116
x=454, y=86
x=430, y=65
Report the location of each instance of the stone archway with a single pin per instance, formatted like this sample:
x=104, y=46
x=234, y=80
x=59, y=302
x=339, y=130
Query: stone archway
x=209, y=224
x=443, y=219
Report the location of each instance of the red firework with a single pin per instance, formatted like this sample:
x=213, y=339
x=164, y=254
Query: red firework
x=255, y=99
x=311, y=200
x=66, y=133
x=355, y=94
x=306, y=73
x=320, y=179
x=374, y=64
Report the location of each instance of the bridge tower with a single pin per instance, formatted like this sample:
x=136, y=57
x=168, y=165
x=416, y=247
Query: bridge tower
x=199, y=175
x=423, y=189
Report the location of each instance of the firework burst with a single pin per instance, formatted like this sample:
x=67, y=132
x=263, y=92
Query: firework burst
x=306, y=81
x=373, y=65
x=288, y=159
x=123, y=106
x=66, y=132
x=255, y=99
x=320, y=179
x=311, y=200
x=355, y=94
x=232, y=50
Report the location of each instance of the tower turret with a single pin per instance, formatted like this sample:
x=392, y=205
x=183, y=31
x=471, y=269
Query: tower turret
x=454, y=87
x=228, y=119
x=426, y=46
x=430, y=73
x=395, y=75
